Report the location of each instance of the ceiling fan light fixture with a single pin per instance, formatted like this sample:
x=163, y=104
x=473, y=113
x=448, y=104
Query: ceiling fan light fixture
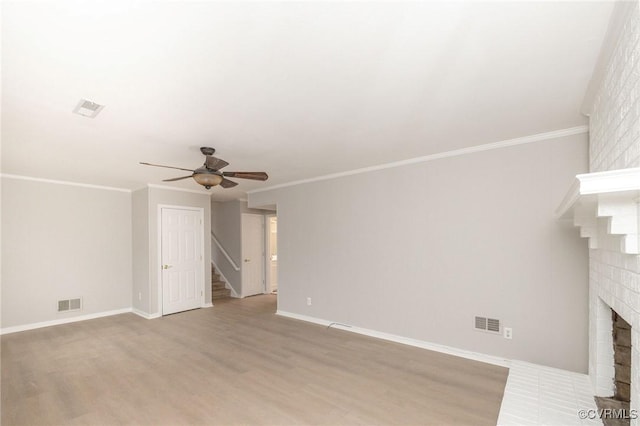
x=207, y=179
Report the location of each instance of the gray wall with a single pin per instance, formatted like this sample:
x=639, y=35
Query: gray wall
x=59, y=242
x=140, y=292
x=419, y=250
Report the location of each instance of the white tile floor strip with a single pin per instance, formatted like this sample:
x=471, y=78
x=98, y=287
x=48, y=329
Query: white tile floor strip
x=538, y=395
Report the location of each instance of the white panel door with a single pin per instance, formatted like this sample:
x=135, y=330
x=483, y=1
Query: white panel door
x=252, y=254
x=182, y=263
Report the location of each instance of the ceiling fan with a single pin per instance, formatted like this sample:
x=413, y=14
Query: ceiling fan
x=210, y=175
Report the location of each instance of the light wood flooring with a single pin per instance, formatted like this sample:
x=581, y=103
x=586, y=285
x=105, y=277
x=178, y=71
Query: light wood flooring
x=235, y=363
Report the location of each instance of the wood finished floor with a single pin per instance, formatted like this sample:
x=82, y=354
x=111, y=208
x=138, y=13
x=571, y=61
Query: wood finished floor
x=235, y=363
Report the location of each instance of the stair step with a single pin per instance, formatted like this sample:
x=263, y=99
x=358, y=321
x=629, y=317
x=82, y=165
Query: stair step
x=218, y=284
x=220, y=294
x=218, y=287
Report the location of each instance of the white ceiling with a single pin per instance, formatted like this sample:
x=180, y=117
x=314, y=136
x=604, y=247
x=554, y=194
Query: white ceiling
x=296, y=89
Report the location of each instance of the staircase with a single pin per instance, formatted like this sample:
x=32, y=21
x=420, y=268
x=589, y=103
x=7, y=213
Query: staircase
x=218, y=288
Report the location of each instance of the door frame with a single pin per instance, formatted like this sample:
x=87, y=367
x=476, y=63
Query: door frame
x=159, y=254
x=262, y=257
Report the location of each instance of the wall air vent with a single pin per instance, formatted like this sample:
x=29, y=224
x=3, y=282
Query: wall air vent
x=87, y=108
x=69, y=305
x=491, y=325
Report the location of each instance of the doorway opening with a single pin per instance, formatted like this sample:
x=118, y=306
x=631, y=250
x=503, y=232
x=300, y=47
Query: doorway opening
x=252, y=269
x=272, y=254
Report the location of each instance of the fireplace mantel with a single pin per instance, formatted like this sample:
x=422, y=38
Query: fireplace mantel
x=605, y=207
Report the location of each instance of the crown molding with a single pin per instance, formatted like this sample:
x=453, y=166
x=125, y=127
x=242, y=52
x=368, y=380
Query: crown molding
x=454, y=153
x=63, y=182
x=172, y=188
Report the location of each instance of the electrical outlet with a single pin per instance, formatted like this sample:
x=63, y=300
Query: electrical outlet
x=308, y=301
x=139, y=295
x=508, y=333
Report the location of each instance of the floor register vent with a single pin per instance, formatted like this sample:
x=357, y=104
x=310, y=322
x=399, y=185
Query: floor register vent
x=491, y=325
x=69, y=305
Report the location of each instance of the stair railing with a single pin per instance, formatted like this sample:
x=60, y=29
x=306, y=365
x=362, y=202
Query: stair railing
x=224, y=252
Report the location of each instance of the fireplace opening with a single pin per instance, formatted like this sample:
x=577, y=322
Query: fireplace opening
x=622, y=376
x=622, y=357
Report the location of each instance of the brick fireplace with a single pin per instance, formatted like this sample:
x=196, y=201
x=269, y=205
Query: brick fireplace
x=614, y=259
x=606, y=207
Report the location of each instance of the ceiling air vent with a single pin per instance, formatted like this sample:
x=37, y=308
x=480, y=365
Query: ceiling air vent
x=491, y=325
x=87, y=108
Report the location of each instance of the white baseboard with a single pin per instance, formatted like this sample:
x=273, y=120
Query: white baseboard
x=462, y=353
x=145, y=315
x=33, y=326
x=158, y=315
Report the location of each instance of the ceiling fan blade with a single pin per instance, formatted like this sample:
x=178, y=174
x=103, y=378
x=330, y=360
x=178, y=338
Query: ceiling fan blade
x=168, y=167
x=215, y=163
x=247, y=175
x=178, y=178
x=226, y=183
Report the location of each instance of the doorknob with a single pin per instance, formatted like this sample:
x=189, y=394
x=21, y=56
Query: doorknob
x=167, y=266
x=247, y=260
